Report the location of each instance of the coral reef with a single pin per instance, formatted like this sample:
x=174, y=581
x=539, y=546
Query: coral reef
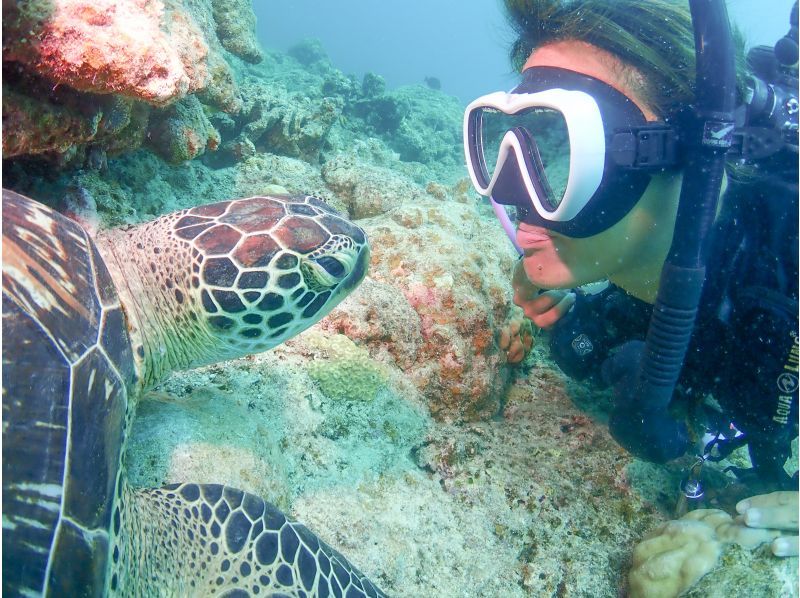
x=155, y=53
x=674, y=556
x=182, y=132
x=285, y=123
x=429, y=111
x=395, y=427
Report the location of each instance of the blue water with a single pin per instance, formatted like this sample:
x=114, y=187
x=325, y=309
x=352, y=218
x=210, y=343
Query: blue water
x=464, y=43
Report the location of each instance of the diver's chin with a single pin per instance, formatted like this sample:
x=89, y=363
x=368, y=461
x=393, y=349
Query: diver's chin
x=544, y=269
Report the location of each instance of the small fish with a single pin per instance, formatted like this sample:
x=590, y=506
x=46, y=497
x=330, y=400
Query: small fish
x=433, y=82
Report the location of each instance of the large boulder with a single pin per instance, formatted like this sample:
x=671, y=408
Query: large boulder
x=436, y=294
x=127, y=47
x=63, y=59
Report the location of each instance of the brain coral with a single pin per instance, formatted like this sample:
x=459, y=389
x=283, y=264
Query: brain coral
x=343, y=370
x=674, y=556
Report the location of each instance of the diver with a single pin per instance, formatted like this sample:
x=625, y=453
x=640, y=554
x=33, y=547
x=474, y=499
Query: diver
x=603, y=149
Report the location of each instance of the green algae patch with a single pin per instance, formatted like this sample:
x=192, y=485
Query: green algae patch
x=343, y=370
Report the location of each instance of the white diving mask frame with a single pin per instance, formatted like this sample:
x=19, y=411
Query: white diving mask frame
x=613, y=151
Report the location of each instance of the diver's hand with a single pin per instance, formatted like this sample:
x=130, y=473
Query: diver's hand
x=543, y=308
x=777, y=510
x=516, y=338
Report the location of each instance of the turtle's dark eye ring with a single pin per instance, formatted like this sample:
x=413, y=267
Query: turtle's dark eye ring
x=332, y=266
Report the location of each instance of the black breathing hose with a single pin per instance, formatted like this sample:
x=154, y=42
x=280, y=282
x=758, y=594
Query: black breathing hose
x=682, y=276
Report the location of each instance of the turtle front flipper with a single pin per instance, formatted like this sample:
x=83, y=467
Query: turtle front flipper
x=208, y=539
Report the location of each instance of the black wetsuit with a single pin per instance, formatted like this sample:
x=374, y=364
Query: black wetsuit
x=744, y=349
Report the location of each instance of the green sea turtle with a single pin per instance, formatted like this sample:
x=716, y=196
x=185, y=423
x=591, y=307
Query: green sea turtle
x=88, y=324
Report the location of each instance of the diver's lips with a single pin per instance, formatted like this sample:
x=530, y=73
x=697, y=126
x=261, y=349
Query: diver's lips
x=530, y=238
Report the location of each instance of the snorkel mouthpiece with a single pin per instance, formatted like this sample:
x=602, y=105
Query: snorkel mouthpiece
x=505, y=221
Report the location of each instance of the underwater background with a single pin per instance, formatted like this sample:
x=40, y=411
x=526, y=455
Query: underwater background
x=394, y=428
x=463, y=44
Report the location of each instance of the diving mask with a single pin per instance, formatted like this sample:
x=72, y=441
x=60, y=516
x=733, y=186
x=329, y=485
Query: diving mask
x=568, y=151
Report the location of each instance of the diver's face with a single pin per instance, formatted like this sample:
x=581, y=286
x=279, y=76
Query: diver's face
x=631, y=252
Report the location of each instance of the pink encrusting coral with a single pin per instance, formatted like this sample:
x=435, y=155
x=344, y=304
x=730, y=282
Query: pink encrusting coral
x=434, y=256
x=70, y=64
x=134, y=48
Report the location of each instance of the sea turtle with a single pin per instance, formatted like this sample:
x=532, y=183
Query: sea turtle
x=88, y=324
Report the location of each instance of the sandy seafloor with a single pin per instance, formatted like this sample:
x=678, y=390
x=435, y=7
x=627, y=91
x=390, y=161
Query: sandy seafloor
x=536, y=500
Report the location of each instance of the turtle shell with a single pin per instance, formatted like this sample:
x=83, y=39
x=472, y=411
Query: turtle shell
x=67, y=374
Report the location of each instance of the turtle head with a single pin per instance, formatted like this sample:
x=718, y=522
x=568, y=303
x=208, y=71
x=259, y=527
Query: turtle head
x=228, y=279
x=267, y=268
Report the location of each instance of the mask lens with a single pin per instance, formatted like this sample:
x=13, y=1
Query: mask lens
x=545, y=141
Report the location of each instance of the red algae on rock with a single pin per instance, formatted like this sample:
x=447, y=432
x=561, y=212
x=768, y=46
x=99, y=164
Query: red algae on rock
x=449, y=301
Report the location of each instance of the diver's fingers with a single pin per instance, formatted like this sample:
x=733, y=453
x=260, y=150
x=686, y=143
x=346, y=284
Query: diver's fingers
x=540, y=302
x=546, y=300
x=773, y=499
x=785, y=546
x=777, y=510
x=549, y=307
x=783, y=517
x=505, y=338
x=516, y=352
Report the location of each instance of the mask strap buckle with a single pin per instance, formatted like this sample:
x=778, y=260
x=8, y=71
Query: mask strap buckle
x=652, y=146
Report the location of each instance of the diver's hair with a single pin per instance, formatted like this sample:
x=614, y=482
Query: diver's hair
x=655, y=37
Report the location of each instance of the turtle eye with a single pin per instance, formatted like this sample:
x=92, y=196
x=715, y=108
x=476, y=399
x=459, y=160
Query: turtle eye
x=332, y=266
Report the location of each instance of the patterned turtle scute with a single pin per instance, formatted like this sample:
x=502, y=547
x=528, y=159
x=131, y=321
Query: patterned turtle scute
x=218, y=240
x=88, y=325
x=61, y=310
x=190, y=232
x=254, y=214
x=256, y=251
